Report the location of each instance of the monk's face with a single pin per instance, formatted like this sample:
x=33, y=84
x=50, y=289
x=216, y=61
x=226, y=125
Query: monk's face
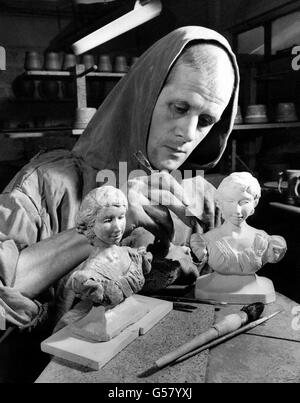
x=190, y=103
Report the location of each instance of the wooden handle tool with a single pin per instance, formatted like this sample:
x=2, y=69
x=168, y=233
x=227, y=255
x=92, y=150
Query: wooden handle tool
x=228, y=327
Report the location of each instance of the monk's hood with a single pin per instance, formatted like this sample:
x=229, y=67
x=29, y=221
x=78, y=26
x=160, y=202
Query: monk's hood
x=120, y=126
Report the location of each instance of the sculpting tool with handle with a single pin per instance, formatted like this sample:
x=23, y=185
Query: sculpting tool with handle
x=224, y=338
x=230, y=326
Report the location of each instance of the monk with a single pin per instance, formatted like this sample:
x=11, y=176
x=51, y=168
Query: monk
x=177, y=107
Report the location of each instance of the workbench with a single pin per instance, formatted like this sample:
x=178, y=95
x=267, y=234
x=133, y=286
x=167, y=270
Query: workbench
x=268, y=353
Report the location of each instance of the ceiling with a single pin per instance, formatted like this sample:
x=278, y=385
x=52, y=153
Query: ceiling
x=46, y=6
x=84, y=18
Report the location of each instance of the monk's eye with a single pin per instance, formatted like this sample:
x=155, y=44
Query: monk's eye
x=205, y=121
x=179, y=109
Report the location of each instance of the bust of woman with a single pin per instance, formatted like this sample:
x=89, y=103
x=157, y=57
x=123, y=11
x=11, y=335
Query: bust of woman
x=235, y=251
x=112, y=272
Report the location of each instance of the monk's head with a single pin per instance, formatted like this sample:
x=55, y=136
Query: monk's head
x=197, y=90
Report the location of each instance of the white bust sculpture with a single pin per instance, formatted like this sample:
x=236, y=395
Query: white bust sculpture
x=235, y=251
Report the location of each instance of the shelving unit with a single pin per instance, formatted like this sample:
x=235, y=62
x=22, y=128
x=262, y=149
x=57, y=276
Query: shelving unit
x=77, y=132
x=44, y=73
x=42, y=132
x=263, y=126
x=256, y=128
x=79, y=73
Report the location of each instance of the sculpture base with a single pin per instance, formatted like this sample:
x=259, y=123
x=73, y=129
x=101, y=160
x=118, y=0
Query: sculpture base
x=102, y=325
x=65, y=344
x=234, y=289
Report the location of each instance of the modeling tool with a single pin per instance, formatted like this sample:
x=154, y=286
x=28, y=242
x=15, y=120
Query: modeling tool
x=228, y=327
x=228, y=336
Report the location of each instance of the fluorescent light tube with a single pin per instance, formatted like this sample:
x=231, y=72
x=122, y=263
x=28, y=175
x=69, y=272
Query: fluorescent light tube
x=138, y=16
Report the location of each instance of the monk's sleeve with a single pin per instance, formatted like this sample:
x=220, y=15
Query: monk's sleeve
x=18, y=229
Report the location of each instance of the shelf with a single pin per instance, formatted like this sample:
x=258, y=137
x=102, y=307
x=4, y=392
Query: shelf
x=23, y=133
x=107, y=75
x=41, y=100
x=42, y=132
x=280, y=75
x=252, y=126
x=46, y=73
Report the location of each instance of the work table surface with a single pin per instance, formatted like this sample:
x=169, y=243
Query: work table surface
x=268, y=353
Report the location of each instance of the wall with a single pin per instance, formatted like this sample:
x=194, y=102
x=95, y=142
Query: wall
x=233, y=12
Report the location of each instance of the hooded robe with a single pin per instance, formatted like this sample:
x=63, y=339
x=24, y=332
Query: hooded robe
x=43, y=198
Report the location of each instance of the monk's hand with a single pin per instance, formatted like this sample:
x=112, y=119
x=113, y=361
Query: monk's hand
x=149, y=200
x=189, y=270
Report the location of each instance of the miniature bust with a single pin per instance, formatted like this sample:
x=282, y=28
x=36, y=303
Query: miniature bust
x=235, y=251
x=112, y=272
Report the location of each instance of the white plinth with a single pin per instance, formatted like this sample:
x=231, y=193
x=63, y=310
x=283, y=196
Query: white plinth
x=235, y=289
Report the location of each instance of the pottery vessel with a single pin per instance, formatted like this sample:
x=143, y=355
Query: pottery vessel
x=104, y=63
x=52, y=61
x=121, y=64
x=69, y=61
x=256, y=114
x=48, y=89
x=32, y=61
x=88, y=60
x=286, y=112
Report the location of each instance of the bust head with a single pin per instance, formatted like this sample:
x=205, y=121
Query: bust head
x=237, y=196
x=102, y=215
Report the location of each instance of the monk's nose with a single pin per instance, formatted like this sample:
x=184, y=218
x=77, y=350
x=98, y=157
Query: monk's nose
x=187, y=128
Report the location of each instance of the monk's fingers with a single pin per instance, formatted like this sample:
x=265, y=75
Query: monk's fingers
x=162, y=181
x=156, y=198
x=76, y=283
x=166, y=182
x=137, y=185
x=137, y=194
x=167, y=199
